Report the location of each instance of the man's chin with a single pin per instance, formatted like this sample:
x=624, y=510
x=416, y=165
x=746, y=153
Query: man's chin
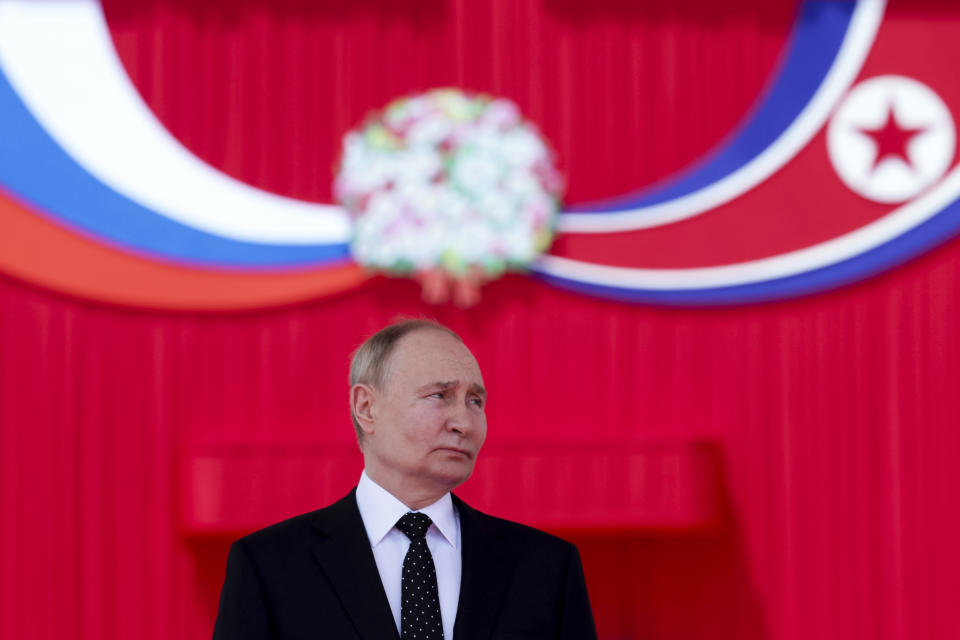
x=453, y=473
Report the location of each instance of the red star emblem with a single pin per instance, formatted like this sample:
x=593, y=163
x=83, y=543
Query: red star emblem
x=891, y=139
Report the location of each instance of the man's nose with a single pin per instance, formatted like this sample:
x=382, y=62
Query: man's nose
x=459, y=419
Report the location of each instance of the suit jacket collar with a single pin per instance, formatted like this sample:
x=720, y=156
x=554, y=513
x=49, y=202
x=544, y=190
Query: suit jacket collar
x=344, y=554
x=488, y=562
x=345, y=557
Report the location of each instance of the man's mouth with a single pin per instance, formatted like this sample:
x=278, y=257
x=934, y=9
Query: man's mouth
x=462, y=452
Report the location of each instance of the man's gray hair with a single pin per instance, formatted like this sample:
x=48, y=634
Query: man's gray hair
x=369, y=362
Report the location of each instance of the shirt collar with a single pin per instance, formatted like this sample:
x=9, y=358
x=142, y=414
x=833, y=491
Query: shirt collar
x=380, y=510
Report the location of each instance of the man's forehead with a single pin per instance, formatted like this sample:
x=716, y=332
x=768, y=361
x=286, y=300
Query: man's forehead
x=434, y=351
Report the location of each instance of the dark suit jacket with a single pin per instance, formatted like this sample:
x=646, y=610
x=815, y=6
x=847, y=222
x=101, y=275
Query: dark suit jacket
x=314, y=576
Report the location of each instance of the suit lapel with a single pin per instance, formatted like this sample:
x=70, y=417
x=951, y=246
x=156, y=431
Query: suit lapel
x=345, y=557
x=488, y=562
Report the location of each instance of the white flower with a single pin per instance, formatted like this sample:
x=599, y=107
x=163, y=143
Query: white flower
x=449, y=180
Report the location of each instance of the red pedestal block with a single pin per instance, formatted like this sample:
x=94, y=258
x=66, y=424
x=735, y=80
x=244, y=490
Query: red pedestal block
x=229, y=489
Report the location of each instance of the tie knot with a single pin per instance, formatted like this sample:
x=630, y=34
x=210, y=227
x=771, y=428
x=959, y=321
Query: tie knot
x=414, y=525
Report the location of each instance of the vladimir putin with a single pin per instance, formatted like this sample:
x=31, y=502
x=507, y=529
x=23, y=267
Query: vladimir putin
x=400, y=556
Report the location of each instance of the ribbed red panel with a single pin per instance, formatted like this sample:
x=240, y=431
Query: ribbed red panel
x=834, y=417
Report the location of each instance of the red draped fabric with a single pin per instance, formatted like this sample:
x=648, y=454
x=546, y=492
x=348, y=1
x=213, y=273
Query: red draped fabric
x=831, y=420
x=627, y=92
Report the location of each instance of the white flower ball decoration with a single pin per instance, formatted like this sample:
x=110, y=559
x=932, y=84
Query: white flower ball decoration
x=451, y=182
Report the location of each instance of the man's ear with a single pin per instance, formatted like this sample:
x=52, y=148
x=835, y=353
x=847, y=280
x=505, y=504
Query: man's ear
x=363, y=405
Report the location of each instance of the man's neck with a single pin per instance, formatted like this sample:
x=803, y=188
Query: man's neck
x=412, y=494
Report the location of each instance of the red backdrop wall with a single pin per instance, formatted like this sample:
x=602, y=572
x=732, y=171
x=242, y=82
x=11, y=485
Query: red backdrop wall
x=830, y=421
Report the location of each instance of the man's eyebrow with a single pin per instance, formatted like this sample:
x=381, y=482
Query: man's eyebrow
x=449, y=384
x=438, y=385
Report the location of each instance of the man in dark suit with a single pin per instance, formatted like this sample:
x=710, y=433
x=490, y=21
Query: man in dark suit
x=400, y=556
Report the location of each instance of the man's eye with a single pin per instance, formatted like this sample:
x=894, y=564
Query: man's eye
x=477, y=401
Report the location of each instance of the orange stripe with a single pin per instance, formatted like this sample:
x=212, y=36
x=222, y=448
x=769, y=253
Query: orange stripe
x=37, y=250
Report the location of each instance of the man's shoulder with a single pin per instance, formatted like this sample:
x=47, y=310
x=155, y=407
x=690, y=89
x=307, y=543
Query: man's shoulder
x=516, y=533
x=306, y=526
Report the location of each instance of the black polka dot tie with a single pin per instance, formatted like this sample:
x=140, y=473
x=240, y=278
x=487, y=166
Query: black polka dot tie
x=419, y=602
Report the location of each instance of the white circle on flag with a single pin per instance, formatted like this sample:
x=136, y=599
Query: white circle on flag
x=891, y=138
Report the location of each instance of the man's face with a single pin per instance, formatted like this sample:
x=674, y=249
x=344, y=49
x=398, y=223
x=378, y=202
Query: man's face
x=429, y=421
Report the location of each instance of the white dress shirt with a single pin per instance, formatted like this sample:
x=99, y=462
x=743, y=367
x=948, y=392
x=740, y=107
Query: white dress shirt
x=380, y=511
